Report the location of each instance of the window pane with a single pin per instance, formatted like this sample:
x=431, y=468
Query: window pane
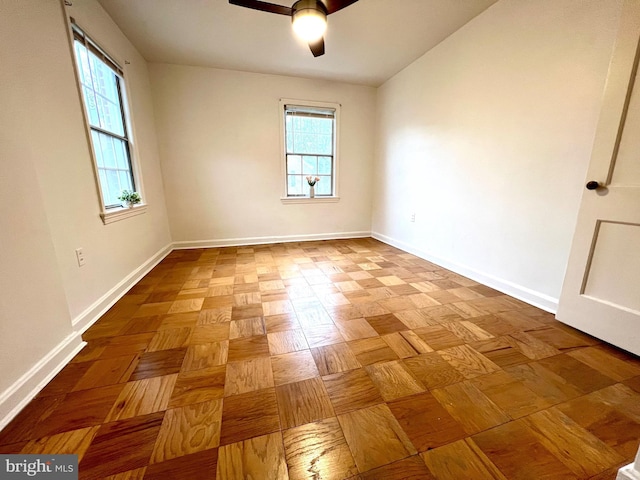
x=122, y=160
x=95, y=136
x=309, y=165
x=92, y=109
x=125, y=181
x=112, y=190
x=107, y=98
x=294, y=183
x=294, y=164
x=323, y=186
x=324, y=166
x=83, y=63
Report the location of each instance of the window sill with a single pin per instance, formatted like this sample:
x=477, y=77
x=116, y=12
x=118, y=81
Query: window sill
x=287, y=200
x=117, y=214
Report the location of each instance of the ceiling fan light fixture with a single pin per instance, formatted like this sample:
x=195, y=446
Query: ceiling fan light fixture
x=309, y=19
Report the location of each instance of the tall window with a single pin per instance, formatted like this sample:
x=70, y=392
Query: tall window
x=310, y=148
x=103, y=94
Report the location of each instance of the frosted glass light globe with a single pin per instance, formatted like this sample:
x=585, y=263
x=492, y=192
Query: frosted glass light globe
x=309, y=24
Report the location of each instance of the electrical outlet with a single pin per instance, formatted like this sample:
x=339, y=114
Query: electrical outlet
x=80, y=257
x=412, y=218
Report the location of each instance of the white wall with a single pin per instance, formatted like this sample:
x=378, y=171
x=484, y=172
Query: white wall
x=487, y=138
x=219, y=137
x=48, y=199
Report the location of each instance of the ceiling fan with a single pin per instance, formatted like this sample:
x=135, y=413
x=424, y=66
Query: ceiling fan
x=309, y=17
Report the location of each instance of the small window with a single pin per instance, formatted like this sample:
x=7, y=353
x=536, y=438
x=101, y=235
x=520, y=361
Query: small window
x=310, y=131
x=103, y=94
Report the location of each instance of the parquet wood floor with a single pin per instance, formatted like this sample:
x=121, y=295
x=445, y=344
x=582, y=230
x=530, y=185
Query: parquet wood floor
x=343, y=359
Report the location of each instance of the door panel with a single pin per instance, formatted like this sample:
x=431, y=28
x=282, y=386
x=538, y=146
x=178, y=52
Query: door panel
x=601, y=291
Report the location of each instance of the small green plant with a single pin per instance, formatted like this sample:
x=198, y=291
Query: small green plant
x=130, y=197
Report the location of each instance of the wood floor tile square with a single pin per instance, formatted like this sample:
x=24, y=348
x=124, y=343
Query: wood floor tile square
x=121, y=446
x=277, y=308
x=425, y=421
x=371, y=309
x=461, y=459
x=511, y=395
x=197, y=386
x=334, y=359
x=156, y=364
x=415, y=319
x=182, y=306
x=142, y=397
x=606, y=422
x=322, y=335
x=570, y=442
x=75, y=442
x=394, y=380
x=467, y=331
x=384, y=324
x=606, y=363
x=293, y=367
x=438, y=337
x=468, y=362
x=303, y=402
x=532, y=347
x=246, y=311
x=248, y=348
x=210, y=333
x=248, y=375
x=501, y=351
x=286, y=341
x=81, y=409
x=375, y=437
x=281, y=323
x=247, y=327
x=355, y=329
x=432, y=370
x=351, y=390
x=196, y=466
x=188, y=429
x=249, y=415
x=258, y=457
x=318, y=450
x=248, y=298
x=470, y=407
x=518, y=453
x=105, y=372
x=396, y=304
x=214, y=315
x=585, y=378
x=372, y=350
x=124, y=345
x=545, y=383
x=170, y=338
x=218, y=300
x=205, y=355
x=177, y=320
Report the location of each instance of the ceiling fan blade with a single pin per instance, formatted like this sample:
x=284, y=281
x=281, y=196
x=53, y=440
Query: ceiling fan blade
x=317, y=47
x=335, y=5
x=263, y=6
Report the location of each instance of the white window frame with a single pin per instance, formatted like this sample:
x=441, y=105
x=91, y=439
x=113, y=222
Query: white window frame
x=109, y=214
x=283, y=150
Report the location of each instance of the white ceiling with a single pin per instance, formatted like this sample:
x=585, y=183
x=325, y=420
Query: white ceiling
x=366, y=43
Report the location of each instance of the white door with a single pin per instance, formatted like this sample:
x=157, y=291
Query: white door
x=601, y=291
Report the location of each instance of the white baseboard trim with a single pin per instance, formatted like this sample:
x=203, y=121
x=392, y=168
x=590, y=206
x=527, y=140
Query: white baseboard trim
x=18, y=395
x=631, y=471
x=98, y=308
x=537, y=299
x=234, y=242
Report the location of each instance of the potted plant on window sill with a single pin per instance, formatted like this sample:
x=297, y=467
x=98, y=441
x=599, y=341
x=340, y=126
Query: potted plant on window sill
x=312, y=185
x=129, y=198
